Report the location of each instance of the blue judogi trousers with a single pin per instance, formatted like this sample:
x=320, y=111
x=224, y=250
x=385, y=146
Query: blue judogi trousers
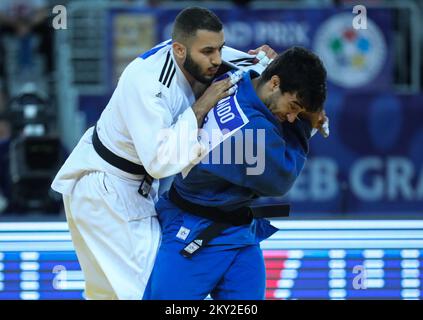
x=232, y=274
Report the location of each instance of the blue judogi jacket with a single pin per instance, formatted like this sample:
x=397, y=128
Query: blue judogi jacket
x=228, y=186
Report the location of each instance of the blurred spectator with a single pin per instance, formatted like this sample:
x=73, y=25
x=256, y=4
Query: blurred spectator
x=4, y=163
x=4, y=129
x=24, y=19
x=2, y=93
x=4, y=143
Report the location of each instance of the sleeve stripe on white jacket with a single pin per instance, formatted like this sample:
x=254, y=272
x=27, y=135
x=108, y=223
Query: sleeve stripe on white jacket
x=244, y=60
x=171, y=77
x=169, y=69
x=164, y=67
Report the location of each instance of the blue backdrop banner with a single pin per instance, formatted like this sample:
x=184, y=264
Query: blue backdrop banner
x=372, y=160
x=365, y=55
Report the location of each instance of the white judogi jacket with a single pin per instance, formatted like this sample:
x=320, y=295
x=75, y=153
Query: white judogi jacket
x=148, y=121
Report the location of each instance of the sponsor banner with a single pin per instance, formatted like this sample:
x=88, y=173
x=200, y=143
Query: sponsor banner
x=371, y=162
x=355, y=58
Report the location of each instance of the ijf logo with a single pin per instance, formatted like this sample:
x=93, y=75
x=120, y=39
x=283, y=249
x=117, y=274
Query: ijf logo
x=353, y=57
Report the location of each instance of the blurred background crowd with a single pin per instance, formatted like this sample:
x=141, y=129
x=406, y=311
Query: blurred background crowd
x=55, y=81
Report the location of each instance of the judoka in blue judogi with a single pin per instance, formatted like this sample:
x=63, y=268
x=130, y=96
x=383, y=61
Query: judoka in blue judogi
x=231, y=265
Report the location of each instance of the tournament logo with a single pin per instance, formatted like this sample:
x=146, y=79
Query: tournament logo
x=353, y=58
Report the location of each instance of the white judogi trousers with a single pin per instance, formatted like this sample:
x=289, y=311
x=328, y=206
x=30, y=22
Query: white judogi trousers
x=115, y=242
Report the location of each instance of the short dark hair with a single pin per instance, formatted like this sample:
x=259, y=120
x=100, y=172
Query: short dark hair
x=191, y=19
x=301, y=72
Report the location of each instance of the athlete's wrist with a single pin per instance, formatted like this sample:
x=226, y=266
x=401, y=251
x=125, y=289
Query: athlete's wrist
x=199, y=113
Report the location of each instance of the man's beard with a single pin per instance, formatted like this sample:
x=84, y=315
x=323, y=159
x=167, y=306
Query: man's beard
x=271, y=103
x=195, y=71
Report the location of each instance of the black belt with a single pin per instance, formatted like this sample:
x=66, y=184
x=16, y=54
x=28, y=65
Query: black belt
x=222, y=220
x=123, y=164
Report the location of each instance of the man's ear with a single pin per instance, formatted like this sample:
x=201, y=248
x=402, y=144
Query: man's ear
x=274, y=82
x=179, y=50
